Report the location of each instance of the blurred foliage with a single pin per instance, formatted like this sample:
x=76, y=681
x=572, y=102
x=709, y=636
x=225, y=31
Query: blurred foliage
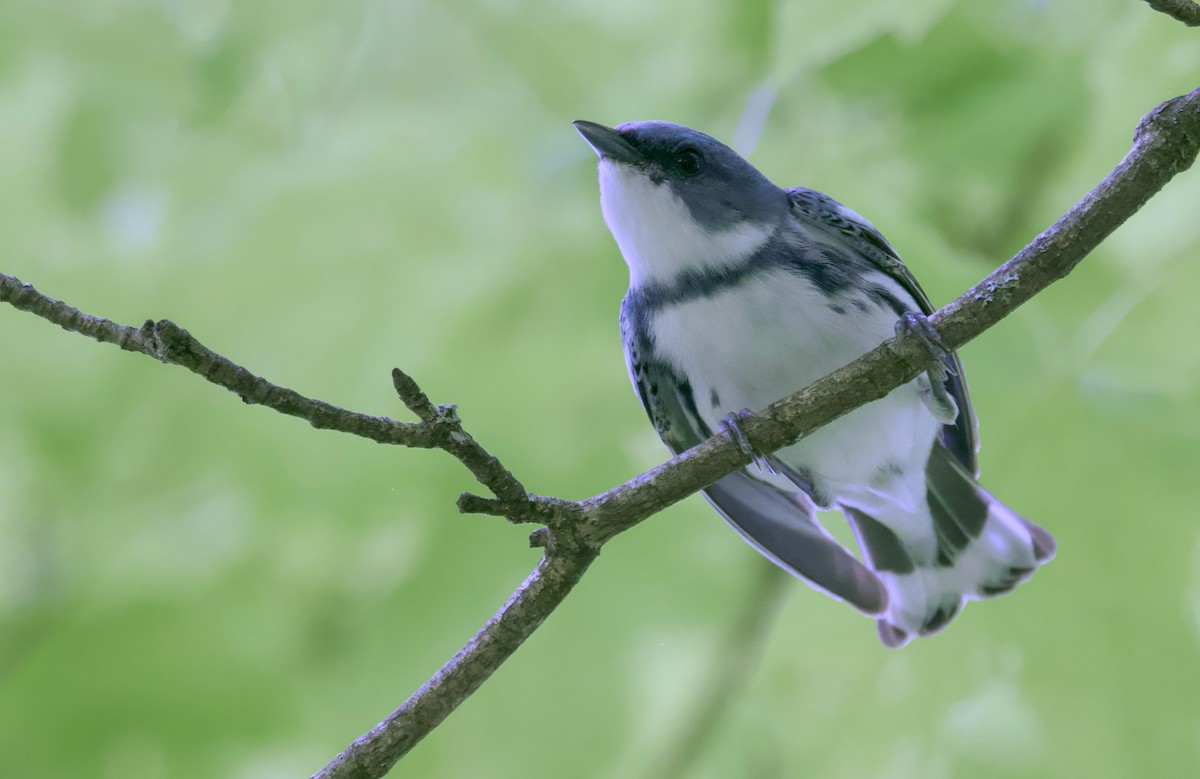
x=190, y=587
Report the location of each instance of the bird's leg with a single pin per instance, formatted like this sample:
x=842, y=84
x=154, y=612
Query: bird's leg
x=933, y=383
x=732, y=427
x=770, y=463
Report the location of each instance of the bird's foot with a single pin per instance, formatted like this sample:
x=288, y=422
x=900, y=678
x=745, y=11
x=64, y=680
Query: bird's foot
x=933, y=384
x=732, y=426
x=918, y=325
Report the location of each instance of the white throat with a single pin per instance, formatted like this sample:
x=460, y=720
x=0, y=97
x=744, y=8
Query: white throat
x=656, y=232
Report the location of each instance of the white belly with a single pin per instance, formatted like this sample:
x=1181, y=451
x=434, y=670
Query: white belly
x=753, y=344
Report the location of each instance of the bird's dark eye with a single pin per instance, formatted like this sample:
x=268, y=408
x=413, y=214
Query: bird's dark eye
x=688, y=161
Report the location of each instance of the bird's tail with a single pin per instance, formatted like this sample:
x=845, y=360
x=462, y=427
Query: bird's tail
x=983, y=549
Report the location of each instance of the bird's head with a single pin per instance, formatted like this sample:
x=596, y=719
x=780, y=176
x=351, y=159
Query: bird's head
x=676, y=199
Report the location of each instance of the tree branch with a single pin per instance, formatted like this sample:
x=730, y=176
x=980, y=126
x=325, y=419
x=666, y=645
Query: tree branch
x=1165, y=143
x=439, y=427
x=166, y=341
x=1184, y=11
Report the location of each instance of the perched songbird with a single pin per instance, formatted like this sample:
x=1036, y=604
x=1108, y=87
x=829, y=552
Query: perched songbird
x=741, y=293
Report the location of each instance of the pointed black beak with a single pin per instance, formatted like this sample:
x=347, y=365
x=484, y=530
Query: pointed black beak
x=608, y=143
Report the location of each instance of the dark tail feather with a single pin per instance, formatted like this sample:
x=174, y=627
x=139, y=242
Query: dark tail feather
x=983, y=549
x=785, y=532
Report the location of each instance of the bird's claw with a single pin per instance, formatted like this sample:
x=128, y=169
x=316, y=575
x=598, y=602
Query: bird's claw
x=732, y=426
x=918, y=325
x=933, y=388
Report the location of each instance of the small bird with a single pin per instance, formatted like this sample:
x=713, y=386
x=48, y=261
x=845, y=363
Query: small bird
x=741, y=293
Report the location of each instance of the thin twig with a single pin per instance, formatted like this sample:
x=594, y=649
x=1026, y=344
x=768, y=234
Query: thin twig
x=1184, y=11
x=170, y=343
x=486, y=469
x=439, y=427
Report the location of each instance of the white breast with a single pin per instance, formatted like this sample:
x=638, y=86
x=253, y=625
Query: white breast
x=752, y=344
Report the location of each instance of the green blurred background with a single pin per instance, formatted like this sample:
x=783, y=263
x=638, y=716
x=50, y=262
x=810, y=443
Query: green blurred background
x=190, y=587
